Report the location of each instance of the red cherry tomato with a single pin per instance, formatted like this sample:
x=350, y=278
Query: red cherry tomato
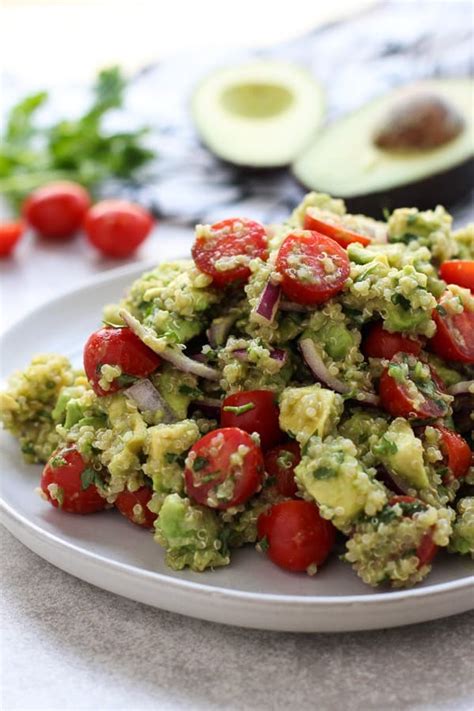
x=57, y=210
x=10, y=234
x=379, y=343
x=253, y=411
x=280, y=463
x=121, y=347
x=224, y=468
x=457, y=452
x=117, y=227
x=133, y=505
x=410, y=397
x=458, y=271
x=333, y=228
x=233, y=239
x=427, y=548
x=313, y=267
x=296, y=535
x=67, y=483
x=454, y=337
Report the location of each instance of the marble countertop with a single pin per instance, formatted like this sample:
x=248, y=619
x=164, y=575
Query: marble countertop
x=68, y=646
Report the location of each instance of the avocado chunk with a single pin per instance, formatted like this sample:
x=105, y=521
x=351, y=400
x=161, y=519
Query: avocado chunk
x=309, y=410
x=258, y=115
x=388, y=175
x=402, y=453
x=331, y=474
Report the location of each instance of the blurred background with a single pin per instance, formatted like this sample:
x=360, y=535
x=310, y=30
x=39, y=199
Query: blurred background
x=350, y=51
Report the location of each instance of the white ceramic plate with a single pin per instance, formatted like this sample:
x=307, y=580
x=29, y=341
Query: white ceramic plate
x=104, y=549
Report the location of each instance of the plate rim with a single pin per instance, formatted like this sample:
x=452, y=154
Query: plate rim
x=15, y=521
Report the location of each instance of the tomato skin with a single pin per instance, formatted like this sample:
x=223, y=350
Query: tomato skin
x=67, y=477
x=397, y=402
x=262, y=418
x=117, y=227
x=10, y=235
x=213, y=454
x=458, y=271
x=233, y=237
x=337, y=232
x=117, y=346
x=57, y=210
x=297, y=536
x=127, y=500
x=454, y=337
x=379, y=343
x=308, y=249
x=284, y=475
x=457, y=452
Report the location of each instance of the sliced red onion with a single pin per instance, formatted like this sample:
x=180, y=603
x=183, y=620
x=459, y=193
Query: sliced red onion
x=463, y=388
x=147, y=397
x=293, y=306
x=210, y=406
x=368, y=398
x=173, y=355
x=391, y=481
x=267, y=305
x=277, y=354
x=219, y=330
x=318, y=368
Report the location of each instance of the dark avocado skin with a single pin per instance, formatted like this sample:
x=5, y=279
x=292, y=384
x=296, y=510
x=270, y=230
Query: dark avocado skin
x=446, y=188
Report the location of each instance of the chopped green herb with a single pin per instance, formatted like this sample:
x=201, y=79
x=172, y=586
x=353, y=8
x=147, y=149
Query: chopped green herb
x=385, y=447
x=199, y=463
x=400, y=300
x=263, y=544
x=189, y=391
x=57, y=461
x=172, y=458
x=323, y=472
x=124, y=380
x=88, y=477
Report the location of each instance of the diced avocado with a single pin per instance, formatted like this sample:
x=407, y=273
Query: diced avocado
x=177, y=388
x=330, y=473
x=402, y=453
x=190, y=535
x=336, y=339
x=309, y=410
x=379, y=177
x=431, y=229
x=166, y=448
x=259, y=114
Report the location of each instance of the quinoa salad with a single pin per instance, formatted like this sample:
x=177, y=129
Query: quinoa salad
x=306, y=388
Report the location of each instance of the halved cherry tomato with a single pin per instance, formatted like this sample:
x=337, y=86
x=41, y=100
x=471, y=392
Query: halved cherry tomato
x=379, y=343
x=427, y=548
x=296, y=535
x=332, y=227
x=454, y=337
x=57, y=210
x=253, y=411
x=408, y=395
x=224, y=468
x=68, y=483
x=458, y=271
x=117, y=227
x=121, y=347
x=457, y=452
x=133, y=505
x=313, y=267
x=225, y=253
x=10, y=234
x=280, y=463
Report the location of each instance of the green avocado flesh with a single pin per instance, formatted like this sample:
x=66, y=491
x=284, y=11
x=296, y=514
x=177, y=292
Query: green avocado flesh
x=258, y=115
x=344, y=159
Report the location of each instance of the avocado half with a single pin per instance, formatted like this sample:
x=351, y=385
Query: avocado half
x=345, y=160
x=258, y=115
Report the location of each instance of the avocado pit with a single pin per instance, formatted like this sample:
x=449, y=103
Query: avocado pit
x=419, y=122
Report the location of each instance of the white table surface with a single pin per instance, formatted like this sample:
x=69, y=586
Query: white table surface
x=66, y=645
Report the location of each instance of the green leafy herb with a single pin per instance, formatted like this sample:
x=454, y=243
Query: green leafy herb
x=57, y=461
x=172, y=458
x=385, y=447
x=74, y=149
x=199, y=463
x=124, y=380
x=404, y=238
x=210, y=477
x=89, y=476
x=400, y=300
x=323, y=472
x=239, y=409
x=189, y=391
x=263, y=544
x=441, y=310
